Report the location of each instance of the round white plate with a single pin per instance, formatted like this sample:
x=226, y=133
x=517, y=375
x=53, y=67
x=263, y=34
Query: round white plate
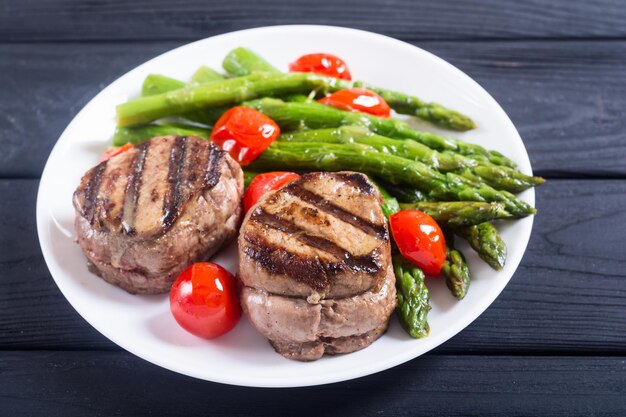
x=144, y=326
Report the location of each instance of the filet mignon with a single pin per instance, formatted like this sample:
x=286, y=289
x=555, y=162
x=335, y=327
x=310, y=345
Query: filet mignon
x=143, y=216
x=315, y=266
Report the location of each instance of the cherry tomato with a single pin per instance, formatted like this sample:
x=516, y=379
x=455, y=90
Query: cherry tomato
x=323, y=64
x=419, y=239
x=263, y=183
x=110, y=153
x=244, y=133
x=204, y=300
x=358, y=99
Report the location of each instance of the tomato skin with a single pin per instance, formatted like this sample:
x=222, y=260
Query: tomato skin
x=244, y=133
x=204, y=300
x=323, y=64
x=263, y=183
x=110, y=153
x=358, y=99
x=419, y=239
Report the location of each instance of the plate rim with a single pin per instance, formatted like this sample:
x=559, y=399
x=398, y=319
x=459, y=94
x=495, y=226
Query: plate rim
x=344, y=375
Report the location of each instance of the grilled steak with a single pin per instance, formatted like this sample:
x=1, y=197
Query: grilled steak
x=314, y=263
x=142, y=217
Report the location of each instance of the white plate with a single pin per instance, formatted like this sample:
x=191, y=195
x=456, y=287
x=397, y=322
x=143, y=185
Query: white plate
x=144, y=326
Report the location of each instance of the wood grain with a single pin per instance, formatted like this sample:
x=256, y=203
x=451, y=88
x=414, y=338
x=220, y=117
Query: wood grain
x=566, y=98
x=568, y=296
x=62, y=20
x=116, y=383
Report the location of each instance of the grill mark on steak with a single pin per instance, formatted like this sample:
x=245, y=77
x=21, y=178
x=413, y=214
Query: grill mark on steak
x=212, y=173
x=131, y=193
x=311, y=271
x=320, y=202
x=91, y=192
x=366, y=264
x=357, y=181
x=172, y=200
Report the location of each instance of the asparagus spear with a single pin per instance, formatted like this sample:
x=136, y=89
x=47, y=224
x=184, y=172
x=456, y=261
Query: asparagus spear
x=158, y=84
x=141, y=133
x=432, y=112
x=485, y=239
x=292, y=116
x=502, y=178
x=393, y=169
x=389, y=205
x=205, y=75
x=460, y=213
x=242, y=61
x=406, y=148
x=456, y=270
x=230, y=91
x=413, y=297
x=403, y=193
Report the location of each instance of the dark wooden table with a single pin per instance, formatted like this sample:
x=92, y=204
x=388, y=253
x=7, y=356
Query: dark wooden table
x=554, y=342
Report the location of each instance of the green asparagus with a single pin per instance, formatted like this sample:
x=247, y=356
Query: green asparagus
x=432, y=112
x=226, y=92
x=205, y=75
x=413, y=297
x=403, y=193
x=141, y=133
x=391, y=168
x=499, y=177
x=242, y=61
x=456, y=270
x=460, y=213
x=485, y=239
x=292, y=116
x=389, y=205
x=505, y=178
x=158, y=84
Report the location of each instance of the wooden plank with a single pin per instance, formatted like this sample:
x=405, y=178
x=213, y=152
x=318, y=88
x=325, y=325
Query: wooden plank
x=568, y=296
x=192, y=19
x=114, y=383
x=33, y=312
x=571, y=123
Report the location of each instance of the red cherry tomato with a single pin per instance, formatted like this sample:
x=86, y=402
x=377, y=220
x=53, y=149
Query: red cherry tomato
x=204, y=300
x=419, y=239
x=358, y=99
x=110, y=153
x=263, y=183
x=244, y=133
x=323, y=64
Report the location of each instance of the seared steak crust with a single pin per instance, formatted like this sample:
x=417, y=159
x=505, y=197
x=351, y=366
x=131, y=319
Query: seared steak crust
x=323, y=235
x=142, y=217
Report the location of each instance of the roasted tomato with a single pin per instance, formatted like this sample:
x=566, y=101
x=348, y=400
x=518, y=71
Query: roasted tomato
x=323, y=64
x=263, y=183
x=204, y=300
x=358, y=99
x=419, y=239
x=110, y=153
x=244, y=133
